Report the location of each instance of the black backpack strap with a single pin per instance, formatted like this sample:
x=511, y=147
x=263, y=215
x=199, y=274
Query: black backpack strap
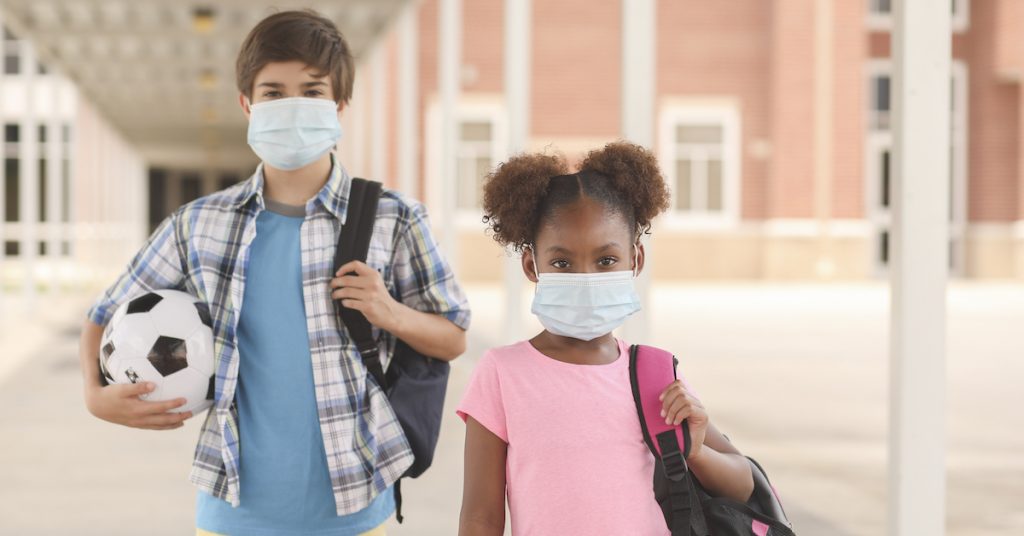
x=354, y=244
x=683, y=495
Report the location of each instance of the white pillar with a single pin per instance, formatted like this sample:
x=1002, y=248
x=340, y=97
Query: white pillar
x=357, y=160
x=517, y=109
x=3, y=189
x=69, y=174
x=449, y=78
x=824, y=56
x=408, y=101
x=54, y=185
x=921, y=46
x=639, y=32
x=378, y=112
x=29, y=156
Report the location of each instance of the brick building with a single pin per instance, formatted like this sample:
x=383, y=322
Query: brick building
x=771, y=121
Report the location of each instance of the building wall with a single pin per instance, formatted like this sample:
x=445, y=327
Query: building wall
x=798, y=79
x=79, y=209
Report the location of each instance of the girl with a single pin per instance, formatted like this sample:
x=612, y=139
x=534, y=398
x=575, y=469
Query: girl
x=551, y=421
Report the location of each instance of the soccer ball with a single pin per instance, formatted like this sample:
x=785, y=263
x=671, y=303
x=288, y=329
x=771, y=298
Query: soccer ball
x=164, y=337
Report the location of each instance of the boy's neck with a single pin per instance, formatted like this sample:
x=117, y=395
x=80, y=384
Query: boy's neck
x=297, y=186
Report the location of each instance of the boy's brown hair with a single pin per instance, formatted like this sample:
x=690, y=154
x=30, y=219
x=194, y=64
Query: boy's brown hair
x=304, y=36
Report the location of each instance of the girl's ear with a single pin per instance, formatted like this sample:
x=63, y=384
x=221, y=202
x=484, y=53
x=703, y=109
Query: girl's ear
x=528, y=263
x=640, y=256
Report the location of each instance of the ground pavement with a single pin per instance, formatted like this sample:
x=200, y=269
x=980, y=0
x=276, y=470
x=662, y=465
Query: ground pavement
x=795, y=374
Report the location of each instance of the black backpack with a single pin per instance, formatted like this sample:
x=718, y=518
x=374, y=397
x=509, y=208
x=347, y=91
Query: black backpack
x=688, y=508
x=415, y=384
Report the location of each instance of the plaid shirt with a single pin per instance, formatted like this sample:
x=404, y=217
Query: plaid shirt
x=203, y=249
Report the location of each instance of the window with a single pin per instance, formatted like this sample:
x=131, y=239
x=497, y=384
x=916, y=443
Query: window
x=12, y=132
x=12, y=189
x=227, y=180
x=880, y=14
x=65, y=191
x=157, y=197
x=42, y=190
x=481, y=143
x=191, y=187
x=701, y=155
x=880, y=180
x=12, y=52
x=474, y=162
x=881, y=89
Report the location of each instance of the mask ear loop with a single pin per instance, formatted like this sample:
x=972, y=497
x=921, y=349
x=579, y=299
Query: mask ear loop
x=533, y=257
x=636, y=260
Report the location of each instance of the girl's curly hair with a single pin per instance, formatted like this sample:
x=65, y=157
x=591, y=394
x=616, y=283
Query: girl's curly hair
x=521, y=194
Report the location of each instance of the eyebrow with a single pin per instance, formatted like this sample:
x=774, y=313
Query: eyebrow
x=278, y=85
x=560, y=249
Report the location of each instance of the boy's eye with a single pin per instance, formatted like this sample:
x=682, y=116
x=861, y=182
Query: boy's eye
x=314, y=93
x=607, y=261
x=560, y=264
x=272, y=94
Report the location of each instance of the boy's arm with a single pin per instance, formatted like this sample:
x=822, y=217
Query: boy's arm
x=120, y=403
x=427, y=333
x=156, y=266
x=429, y=312
x=483, y=495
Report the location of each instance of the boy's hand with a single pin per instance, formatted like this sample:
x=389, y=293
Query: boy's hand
x=120, y=404
x=365, y=292
x=678, y=404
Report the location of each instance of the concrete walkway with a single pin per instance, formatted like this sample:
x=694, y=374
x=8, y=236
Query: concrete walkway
x=796, y=375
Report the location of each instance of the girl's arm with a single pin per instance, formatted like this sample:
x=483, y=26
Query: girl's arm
x=720, y=467
x=483, y=491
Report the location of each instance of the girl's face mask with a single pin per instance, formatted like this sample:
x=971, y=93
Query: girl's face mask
x=585, y=306
x=293, y=132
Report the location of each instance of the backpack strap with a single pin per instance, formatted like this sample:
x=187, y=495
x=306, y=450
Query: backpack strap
x=354, y=244
x=650, y=371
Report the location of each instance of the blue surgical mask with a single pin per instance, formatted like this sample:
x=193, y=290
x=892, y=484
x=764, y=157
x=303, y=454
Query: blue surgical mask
x=294, y=132
x=584, y=306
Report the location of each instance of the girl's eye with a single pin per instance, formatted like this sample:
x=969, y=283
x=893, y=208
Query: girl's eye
x=272, y=94
x=560, y=264
x=607, y=261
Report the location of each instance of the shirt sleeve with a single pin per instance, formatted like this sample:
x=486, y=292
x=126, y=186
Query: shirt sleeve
x=483, y=399
x=156, y=266
x=423, y=278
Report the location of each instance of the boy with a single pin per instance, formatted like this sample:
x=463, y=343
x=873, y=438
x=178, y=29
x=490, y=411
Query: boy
x=299, y=441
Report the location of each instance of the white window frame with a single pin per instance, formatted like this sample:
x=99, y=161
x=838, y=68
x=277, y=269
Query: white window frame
x=883, y=22
x=469, y=110
x=877, y=141
x=727, y=115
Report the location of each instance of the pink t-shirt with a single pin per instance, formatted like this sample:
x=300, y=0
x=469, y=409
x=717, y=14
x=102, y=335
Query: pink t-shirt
x=577, y=462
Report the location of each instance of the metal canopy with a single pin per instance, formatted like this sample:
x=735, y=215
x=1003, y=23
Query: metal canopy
x=162, y=71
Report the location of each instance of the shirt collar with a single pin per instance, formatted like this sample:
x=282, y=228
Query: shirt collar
x=333, y=196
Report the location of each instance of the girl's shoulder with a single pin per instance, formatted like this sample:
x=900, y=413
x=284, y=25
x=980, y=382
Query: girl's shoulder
x=509, y=355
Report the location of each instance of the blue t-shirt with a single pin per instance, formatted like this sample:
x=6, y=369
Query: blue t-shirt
x=285, y=487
